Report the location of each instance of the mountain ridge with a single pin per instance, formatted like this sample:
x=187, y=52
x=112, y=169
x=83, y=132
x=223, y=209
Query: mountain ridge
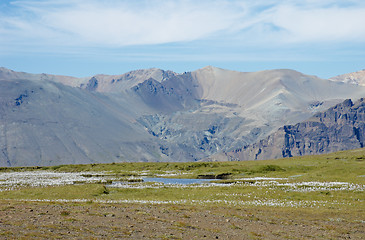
x=339, y=128
x=357, y=78
x=152, y=114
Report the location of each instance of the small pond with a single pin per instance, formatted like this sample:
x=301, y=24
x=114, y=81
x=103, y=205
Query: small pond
x=182, y=181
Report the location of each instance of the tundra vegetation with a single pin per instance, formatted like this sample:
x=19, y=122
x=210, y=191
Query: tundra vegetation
x=307, y=197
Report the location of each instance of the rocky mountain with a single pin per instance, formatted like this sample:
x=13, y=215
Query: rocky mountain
x=7, y=74
x=357, y=78
x=152, y=114
x=341, y=127
x=47, y=123
x=235, y=109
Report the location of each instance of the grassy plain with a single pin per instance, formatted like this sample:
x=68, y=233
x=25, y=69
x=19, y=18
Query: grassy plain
x=323, y=193
x=339, y=166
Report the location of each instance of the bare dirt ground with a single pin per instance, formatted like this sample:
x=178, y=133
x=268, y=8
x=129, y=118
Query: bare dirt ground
x=37, y=220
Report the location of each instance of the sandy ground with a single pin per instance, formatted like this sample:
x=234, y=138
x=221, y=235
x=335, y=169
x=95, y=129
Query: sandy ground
x=36, y=220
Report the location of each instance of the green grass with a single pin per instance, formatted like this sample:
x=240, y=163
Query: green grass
x=340, y=166
x=347, y=166
x=85, y=191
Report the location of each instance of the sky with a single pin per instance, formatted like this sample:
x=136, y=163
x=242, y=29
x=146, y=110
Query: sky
x=86, y=37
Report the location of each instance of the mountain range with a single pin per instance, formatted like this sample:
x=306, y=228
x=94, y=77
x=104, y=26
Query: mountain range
x=157, y=115
x=341, y=127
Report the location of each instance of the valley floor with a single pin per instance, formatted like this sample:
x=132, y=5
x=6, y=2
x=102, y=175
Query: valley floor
x=39, y=220
x=312, y=197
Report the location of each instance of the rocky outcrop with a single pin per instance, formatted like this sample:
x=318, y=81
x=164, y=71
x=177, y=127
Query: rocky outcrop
x=341, y=127
x=356, y=78
x=92, y=85
x=177, y=92
x=157, y=115
x=45, y=123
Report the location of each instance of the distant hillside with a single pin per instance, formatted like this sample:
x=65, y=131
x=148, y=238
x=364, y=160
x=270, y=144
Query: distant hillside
x=152, y=114
x=47, y=123
x=357, y=78
x=341, y=127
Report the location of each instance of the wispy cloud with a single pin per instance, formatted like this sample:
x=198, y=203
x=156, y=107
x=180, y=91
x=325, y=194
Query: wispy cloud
x=183, y=30
x=118, y=23
x=121, y=23
x=320, y=23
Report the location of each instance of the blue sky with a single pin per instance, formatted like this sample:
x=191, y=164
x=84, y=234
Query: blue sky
x=86, y=37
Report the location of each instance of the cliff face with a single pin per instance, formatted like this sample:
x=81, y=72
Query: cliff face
x=157, y=115
x=341, y=127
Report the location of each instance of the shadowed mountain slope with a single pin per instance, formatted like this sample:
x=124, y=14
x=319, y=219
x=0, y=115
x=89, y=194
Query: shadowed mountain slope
x=152, y=114
x=236, y=109
x=341, y=127
x=47, y=123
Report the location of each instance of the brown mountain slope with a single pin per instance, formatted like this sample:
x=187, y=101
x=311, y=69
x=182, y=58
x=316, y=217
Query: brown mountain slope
x=341, y=127
x=357, y=78
x=152, y=114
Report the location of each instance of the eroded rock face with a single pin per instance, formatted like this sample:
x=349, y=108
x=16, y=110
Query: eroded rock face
x=341, y=127
x=157, y=115
x=356, y=78
x=47, y=123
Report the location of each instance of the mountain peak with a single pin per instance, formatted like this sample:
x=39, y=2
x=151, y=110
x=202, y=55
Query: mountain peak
x=156, y=115
x=356, y=78
x=208, y=67
x=4, y=69
x=212, y=68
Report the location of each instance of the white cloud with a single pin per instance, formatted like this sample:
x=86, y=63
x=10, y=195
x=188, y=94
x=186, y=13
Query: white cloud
x=320, y=24
x=119, y=23
x=303, y=21
x=112, y=23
